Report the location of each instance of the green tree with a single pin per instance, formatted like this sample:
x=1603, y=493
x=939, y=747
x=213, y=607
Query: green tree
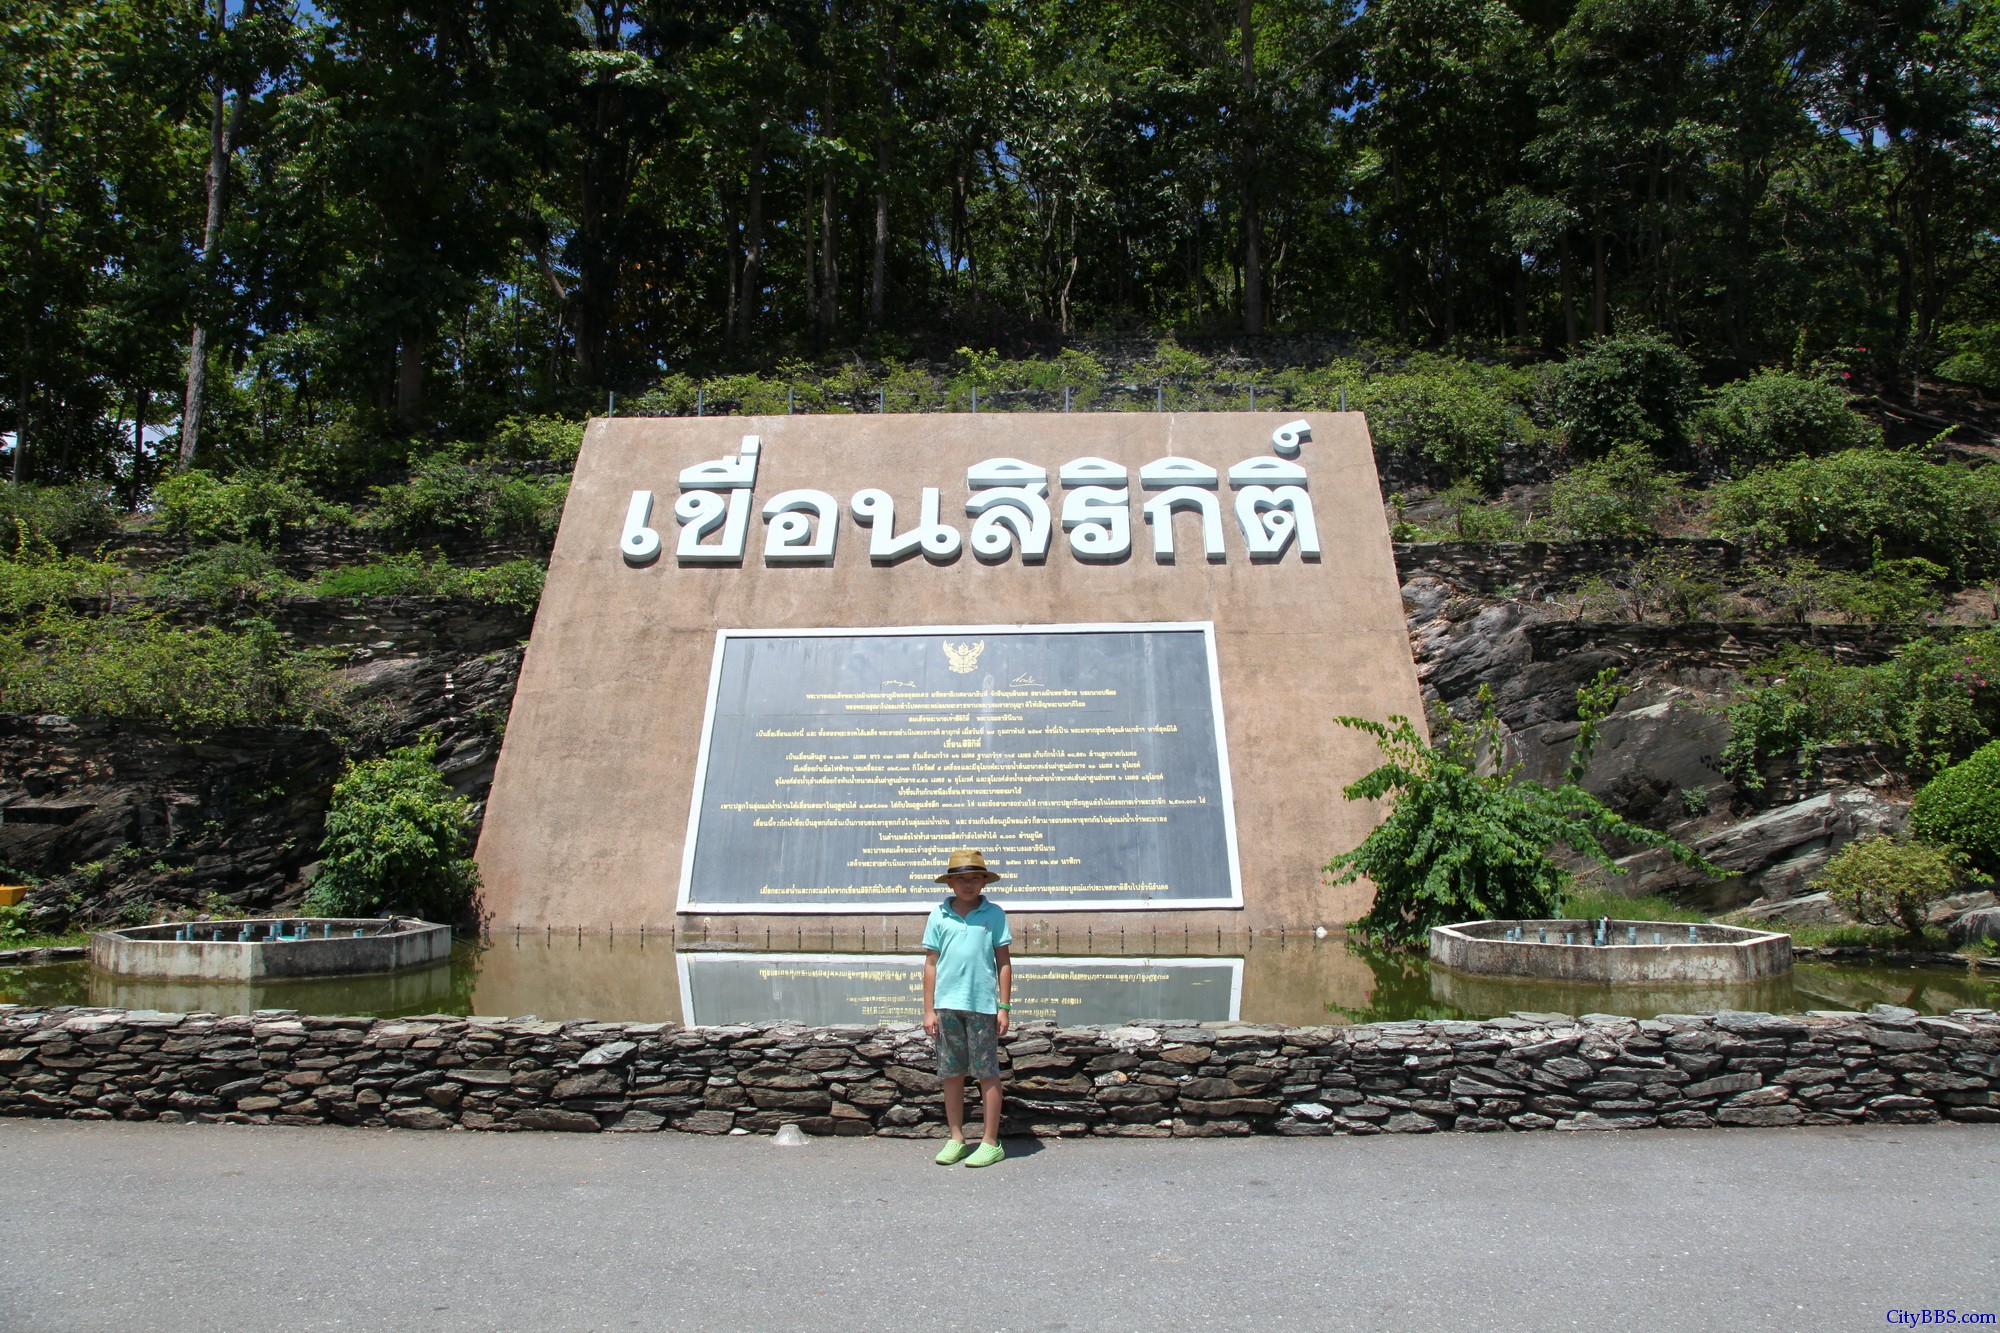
x=1623, y=494
x=1960, y=807
x=1463, y=842
x=1636, y=388
x=1777, y=415
x=1882, y=882
x=397, y=840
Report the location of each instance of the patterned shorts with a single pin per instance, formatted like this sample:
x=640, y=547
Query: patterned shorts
x=968, y=1043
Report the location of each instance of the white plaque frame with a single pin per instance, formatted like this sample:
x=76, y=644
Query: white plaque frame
x=684, y=899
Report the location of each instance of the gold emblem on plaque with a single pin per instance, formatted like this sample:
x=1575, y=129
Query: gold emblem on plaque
x=963, y=657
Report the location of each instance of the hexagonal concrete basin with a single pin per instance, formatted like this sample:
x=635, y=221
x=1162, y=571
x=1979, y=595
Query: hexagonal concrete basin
x=291, y=946
x=1630, y=952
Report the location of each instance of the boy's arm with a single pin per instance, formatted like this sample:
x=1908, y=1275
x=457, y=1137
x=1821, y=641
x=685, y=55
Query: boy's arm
x=1005, y=957
x=930, y=993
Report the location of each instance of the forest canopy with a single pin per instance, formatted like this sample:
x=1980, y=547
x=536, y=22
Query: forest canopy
x=362, y=219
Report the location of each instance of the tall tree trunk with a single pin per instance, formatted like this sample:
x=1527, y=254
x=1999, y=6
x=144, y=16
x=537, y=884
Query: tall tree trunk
x=1253, y=257
x=142, y=402
x=222, y=131
x=958, y=219
x=409, y=379
x=601, y=203
x=878, y=268
x=1568, y=293
x=1402, y=247
x=604, y=192
x=1520, y=281
x=1600, y=280
x=732, y=227
x=829, y=257
x=21, y=398
x=752, y=299
x=812, y=267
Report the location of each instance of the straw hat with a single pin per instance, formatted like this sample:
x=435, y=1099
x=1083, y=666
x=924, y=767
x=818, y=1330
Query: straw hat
x=967, y=860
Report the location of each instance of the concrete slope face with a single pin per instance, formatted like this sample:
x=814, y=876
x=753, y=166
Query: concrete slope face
x=784, y=665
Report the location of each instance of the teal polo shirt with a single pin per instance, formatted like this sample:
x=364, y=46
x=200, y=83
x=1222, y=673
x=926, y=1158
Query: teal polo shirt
x=968, y=974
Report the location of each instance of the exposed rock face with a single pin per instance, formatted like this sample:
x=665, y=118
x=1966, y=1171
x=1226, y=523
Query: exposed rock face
x=238, y=811
x=1530, y=1072
x=1650, y=762
x=1981, y=923
x=1530, y=569
x=1771, y=856
x=1658, y=757
x=237, y=816
x=1812, y=909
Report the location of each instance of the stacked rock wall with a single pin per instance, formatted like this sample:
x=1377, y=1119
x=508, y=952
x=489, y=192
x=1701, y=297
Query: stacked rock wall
x=1523, y=1073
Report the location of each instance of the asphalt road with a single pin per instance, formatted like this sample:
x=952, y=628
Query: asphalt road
x=162, y=1227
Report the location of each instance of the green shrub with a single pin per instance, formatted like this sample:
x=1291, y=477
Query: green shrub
x=38, y=577
x=1934, y=701
x=1960, y=807
x=1471, y=518
x=252, y=506
x=61, y=516
x=1892, y=592
x=1775, y=415
x=1881, y=882
x=1623, y=494
x=536, y=439
x=446, y=493
x=225, y=572
x=1636, y=388
x=1461, y=844
x=514, y=583
x=1451, y=426
x=1673, y=584
x=397, y=840
x=511, y=583
x=1972, y=354
x=1870, y=500
x=134, y=664
x=13, y=926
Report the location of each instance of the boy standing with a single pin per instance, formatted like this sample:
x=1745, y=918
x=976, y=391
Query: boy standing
x=968, y=983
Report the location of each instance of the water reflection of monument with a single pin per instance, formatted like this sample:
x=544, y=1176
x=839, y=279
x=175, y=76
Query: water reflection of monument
x=832, y=989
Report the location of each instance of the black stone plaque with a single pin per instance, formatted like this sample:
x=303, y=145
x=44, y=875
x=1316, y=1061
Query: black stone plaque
x=831, y=989
x=840, y=769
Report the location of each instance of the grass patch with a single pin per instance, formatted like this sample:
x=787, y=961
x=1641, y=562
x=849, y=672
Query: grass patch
x=1592, y=903
x=67, y=939
x=136, y=665
x=514, y=583
x=1866, y=937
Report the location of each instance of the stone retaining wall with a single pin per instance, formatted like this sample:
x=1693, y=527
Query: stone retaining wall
x=1524, y=1073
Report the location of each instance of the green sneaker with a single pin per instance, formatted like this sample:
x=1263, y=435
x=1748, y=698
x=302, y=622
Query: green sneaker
x=953, y=1150
x=986, y=1154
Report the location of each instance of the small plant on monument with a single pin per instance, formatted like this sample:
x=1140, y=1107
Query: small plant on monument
x=397, y=839
x=1882, y=882
x=1465, y=842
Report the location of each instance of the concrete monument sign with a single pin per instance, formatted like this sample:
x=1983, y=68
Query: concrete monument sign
x=784, y=664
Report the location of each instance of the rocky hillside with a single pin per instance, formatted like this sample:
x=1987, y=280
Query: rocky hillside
x=1501, y=625
x=127, y=819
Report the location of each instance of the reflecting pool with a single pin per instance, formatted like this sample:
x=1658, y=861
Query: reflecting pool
x=1297, y=981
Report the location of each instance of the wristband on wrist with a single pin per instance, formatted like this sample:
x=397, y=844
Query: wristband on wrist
x=1007, y=1007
